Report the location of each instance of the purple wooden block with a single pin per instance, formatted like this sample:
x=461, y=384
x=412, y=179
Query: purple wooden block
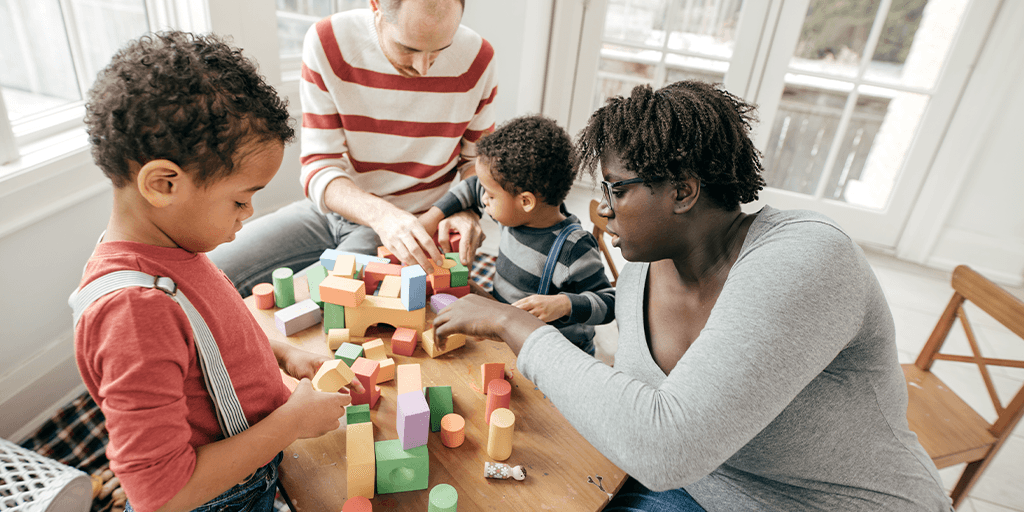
x=412, y=419
x=439, y=301
x=297, y=317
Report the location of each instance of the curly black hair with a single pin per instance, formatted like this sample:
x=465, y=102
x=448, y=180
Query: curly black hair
x=190, y=99
x=687, y=129
x=531, y=154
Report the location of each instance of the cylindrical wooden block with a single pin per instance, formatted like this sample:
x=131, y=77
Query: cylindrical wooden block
x=264, y=293
x=284, y=287
x=357, y=504
x=499, y=437
x=443, y=498
x=499, y=395
x=453, y=430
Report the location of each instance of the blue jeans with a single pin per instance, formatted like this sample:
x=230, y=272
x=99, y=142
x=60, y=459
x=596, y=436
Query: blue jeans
x=254, y=495
x=294, y=236
x=634, y=497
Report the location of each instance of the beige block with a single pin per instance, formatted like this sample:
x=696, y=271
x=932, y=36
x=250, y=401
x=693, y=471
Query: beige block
x=335, y=337
x=344, y=266
x=376, y=310
x=409, y=378
x=332, y=376
x=386, y=371
x=362, y=465
x=391, y=287
x=375, y=350
x=434, y=348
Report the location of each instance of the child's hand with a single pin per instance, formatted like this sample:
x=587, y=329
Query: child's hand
x=315, y=413
x=302, y=364
x=545, y=307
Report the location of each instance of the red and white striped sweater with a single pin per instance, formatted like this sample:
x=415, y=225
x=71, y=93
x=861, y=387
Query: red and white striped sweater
x=402, y=139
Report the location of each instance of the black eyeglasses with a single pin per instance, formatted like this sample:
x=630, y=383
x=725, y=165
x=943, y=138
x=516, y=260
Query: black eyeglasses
x=607, y=187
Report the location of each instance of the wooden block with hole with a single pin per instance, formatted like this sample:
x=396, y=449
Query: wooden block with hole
x=366, y=371
x=409, y=378
x=375, y=310
x=375, y=350
x=401, y=470
x=332, y=376
x=435, y=347
x=343, y=291
x=391, y=287
x=362, y=461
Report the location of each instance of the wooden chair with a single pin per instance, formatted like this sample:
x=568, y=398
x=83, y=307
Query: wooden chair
x=949, y=429
x=600, y=228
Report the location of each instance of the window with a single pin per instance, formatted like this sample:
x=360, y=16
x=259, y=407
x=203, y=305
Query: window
x=294, y=17
x=53, y=51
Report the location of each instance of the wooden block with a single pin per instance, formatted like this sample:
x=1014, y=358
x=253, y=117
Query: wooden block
x=384, y=252
x=314, y=276
x=454, y=240
x=264, y=293
x=409, y=379
x=357, y=413
x=439, y=301
x=443, y=498
x=489, y=372
x=499, y=434
x=414, y=288
x=332, y=376
x=453, y=430
x=374, y=310
x=439, y=399
x=297, y=317
x=375, y=350
x=284, y=287
x=335, y=337
x=344, y=266
x=403, y=341
x=401, y=470
x=499, y=396
x=439, y=278
x=387, y=370
x=349, y=352
x=357, y=504
x=329, y=258
x=459, y=275
x=459, y=292
x=290, y=382
x=391, y=286
x=412, y=419
x=434, y=347
x=362, y=461
x=375, y=272
x=366, y=371
x=334, y=317
x=343, y=291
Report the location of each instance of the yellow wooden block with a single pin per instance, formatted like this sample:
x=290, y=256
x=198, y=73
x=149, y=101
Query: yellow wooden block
x=362, y=464
x=499, y=435
x=391, y=287
x=344, y=266
x=375, y=350
x=332, y=376
x=387, y=370
x=409, y=378
x=375, y=309
x=335, y=337
x=434, y=347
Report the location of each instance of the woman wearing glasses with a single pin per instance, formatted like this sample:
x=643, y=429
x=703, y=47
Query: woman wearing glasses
x=756, y=365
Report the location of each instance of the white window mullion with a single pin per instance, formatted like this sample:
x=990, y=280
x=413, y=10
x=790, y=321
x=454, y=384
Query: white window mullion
x=8, y=149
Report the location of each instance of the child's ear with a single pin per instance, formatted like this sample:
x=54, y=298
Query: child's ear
x=160, y=182
x=528, y=201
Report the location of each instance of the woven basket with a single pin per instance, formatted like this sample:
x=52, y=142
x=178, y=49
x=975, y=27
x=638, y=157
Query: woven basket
x=30, y=482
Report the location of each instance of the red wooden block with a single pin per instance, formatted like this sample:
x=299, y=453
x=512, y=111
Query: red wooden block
x=489, y=372
x=403, y=341
x=458, y=291
x=383, y=252
x=499, y=395
x=366, y=371
x=375, y=271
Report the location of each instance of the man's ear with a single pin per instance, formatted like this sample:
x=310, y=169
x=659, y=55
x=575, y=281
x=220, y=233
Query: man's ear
x=528, y=201
x=160, y=182
x=686, y=195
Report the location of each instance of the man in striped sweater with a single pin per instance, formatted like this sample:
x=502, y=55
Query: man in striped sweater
x=394, y=99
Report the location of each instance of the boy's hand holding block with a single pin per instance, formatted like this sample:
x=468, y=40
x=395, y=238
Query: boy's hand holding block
x=332, y=376
x=366, y=371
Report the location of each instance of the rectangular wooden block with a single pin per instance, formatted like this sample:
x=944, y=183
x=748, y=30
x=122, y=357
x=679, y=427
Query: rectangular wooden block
x=409, y=378
x=412, y=419
x=391, y=286
x=297, y=317
x=357, y=414
x=383, y=252
x=489, y=372
x=401, y=470
x=439, y=278
x=362, y=461
x=349, y=352
x=366, y=371
x=344, y=266
x=335, y=337
x=375, y=350
x=334, y=317
x=342, y=291
x=314, y=276
x=414, y=288
x=387, y=370
x=375, y=272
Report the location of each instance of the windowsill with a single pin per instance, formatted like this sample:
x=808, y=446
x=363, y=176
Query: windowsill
x=43, y=159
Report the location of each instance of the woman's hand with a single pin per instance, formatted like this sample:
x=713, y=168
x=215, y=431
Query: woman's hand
x=477, y=316
x=545, y=307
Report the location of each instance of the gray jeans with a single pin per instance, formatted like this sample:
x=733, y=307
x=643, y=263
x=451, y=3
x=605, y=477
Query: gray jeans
x=294, y=236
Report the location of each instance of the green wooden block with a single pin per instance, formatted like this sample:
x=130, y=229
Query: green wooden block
x=439, y=399
x=284, y=287
x=454, y=256
x=334, y=316
x=459, y=275
x=314, y=276
x=349, y=352
x=358, y=413
x=443, y=498
x=401, y=470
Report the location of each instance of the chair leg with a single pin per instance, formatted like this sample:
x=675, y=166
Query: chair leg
x=284, y=495
x=967, y=480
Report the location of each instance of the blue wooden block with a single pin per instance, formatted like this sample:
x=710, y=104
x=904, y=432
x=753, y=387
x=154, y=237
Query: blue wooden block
x=414, y=288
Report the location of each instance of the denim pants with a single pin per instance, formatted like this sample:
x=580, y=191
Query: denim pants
x=256, y=494
x=634, y=497
x=294, y=236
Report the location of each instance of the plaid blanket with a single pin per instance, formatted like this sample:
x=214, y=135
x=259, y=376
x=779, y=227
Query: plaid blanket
x=76, y=435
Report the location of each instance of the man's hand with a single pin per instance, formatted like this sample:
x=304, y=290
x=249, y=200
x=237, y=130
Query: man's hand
x=403, y=234
x=545, y=307
x=466, y=224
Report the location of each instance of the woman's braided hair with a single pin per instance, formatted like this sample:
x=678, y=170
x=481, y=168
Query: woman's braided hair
x=688, y=129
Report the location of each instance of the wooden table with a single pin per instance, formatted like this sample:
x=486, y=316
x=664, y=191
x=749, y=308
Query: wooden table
x=564, y=471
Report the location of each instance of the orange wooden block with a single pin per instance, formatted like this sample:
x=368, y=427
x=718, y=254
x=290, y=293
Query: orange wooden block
x=344, y=266
x=362, y=464
x=499, y=396
x=439, y=278
x=489, y=372
x=264, y=293
x=343, y=291
x=499, y=435
x=403, y=341
x=453, y=430
x=374, y=272
x=374, y=350
x=391, y=286
x=387, y=370
x=409, y=379
x=435, y=347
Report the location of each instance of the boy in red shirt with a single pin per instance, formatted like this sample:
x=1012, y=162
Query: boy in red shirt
x=187, y=131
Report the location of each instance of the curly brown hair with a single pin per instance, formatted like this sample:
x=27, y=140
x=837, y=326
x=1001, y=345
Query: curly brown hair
x=190, y=99
x=531, y=154
x=687, y=129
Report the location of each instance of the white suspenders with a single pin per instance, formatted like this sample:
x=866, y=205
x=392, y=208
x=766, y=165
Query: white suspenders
x=229, y=411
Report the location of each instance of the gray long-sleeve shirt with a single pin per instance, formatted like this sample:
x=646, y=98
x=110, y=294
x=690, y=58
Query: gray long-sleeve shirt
x=791, y=397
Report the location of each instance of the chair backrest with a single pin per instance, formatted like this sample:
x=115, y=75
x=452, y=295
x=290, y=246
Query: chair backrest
x=600, y=228
x=1008, y=310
